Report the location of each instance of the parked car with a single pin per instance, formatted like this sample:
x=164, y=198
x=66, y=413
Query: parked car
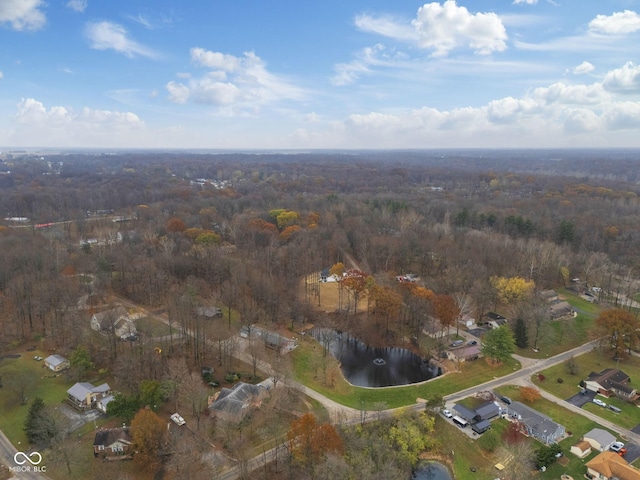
x=506, y=400
x=597, y=401
x=177, y=419
x=472, y=342
x=618, y=447
x=457, y=343
x=447, y=413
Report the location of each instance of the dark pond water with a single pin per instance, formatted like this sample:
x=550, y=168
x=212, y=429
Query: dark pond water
x=367, y=366
x=432, y=471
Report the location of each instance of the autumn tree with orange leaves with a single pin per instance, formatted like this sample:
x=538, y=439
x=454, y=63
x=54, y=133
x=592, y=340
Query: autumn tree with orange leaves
x=355, y=282
x=446, y=310
x=148, y=432
x=310, y=442
x=529, y=394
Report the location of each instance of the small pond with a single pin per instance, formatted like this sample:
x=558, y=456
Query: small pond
x=366, y=366
x=432, y=471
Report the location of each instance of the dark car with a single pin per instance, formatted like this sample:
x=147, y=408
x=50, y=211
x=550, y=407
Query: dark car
x=506, y=400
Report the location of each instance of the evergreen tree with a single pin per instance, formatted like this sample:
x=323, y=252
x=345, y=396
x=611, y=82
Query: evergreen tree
x=522, y=340
x=33, y=418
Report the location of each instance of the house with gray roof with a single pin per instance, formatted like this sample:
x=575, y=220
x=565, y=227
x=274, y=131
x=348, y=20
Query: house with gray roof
x=115, y=321
x=56, y=363
x=233, y=403
x=84, y=395
x=535, y=424
x=599, y=439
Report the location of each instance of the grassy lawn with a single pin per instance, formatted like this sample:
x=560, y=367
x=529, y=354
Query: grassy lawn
x=323, y=375
x=594, y=362
x=152, y=327
x=51, y=390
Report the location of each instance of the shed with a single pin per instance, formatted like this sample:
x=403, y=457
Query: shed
x=481, y=427
x=581, y=449
x=56, y=363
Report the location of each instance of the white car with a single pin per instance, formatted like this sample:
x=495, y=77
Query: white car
x=617, y=447
x=597, y=401
x=177, y=419
x=447, y=413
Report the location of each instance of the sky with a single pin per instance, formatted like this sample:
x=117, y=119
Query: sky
x=337, y=74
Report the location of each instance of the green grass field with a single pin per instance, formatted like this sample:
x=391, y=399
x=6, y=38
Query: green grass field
x=41, y=384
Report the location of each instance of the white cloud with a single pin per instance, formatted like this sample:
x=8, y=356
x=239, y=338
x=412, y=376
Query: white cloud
x=571, y=94
x=445, y=27
x=623, y=116
x=22, y=14
x=1, y=74
x=528, y=2
x=387, y=27
x=61, y=126
x=77, y=5
x=583, y=68
x=111, y=36
x=347, y=73
x=151, y=22
x=623, y=80
x=241, y=83
x=618, y=23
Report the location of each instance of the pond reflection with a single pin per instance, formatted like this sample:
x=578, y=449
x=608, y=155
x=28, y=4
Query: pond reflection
x=367, y=366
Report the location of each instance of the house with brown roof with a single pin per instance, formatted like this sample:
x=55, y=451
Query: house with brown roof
x=464, y=353
x=112, y=442
x=609, y=466
x=611, y=382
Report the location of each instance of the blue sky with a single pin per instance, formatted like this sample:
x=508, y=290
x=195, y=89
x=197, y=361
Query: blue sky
x=284, y=74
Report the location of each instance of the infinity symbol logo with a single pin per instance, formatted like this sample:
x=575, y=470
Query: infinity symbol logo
x=37, y=458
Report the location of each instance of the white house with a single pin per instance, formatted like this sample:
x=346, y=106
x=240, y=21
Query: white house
x=599, y=439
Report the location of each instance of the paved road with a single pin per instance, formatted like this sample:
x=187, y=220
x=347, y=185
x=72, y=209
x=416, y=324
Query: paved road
x=7, y=452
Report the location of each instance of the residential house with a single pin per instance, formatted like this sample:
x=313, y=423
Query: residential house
x=611, y=382
x=116, y=321
x=494, y=320
x=581, y=449
x=112, y=442
x=233, y=403
x=549, y=295
x=478, y=417
x=467, y=413
x=464, y=353
x=610, y=466
x=102, y=403
x=209, y=313
x=599, y=439
x=535, y=424
x=56, y=363
x=488, y=410
x=84, y=395
x=561, y=309
x=467, y=321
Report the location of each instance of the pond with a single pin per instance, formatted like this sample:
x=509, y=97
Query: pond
x=366, y=366
x=432, y=471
